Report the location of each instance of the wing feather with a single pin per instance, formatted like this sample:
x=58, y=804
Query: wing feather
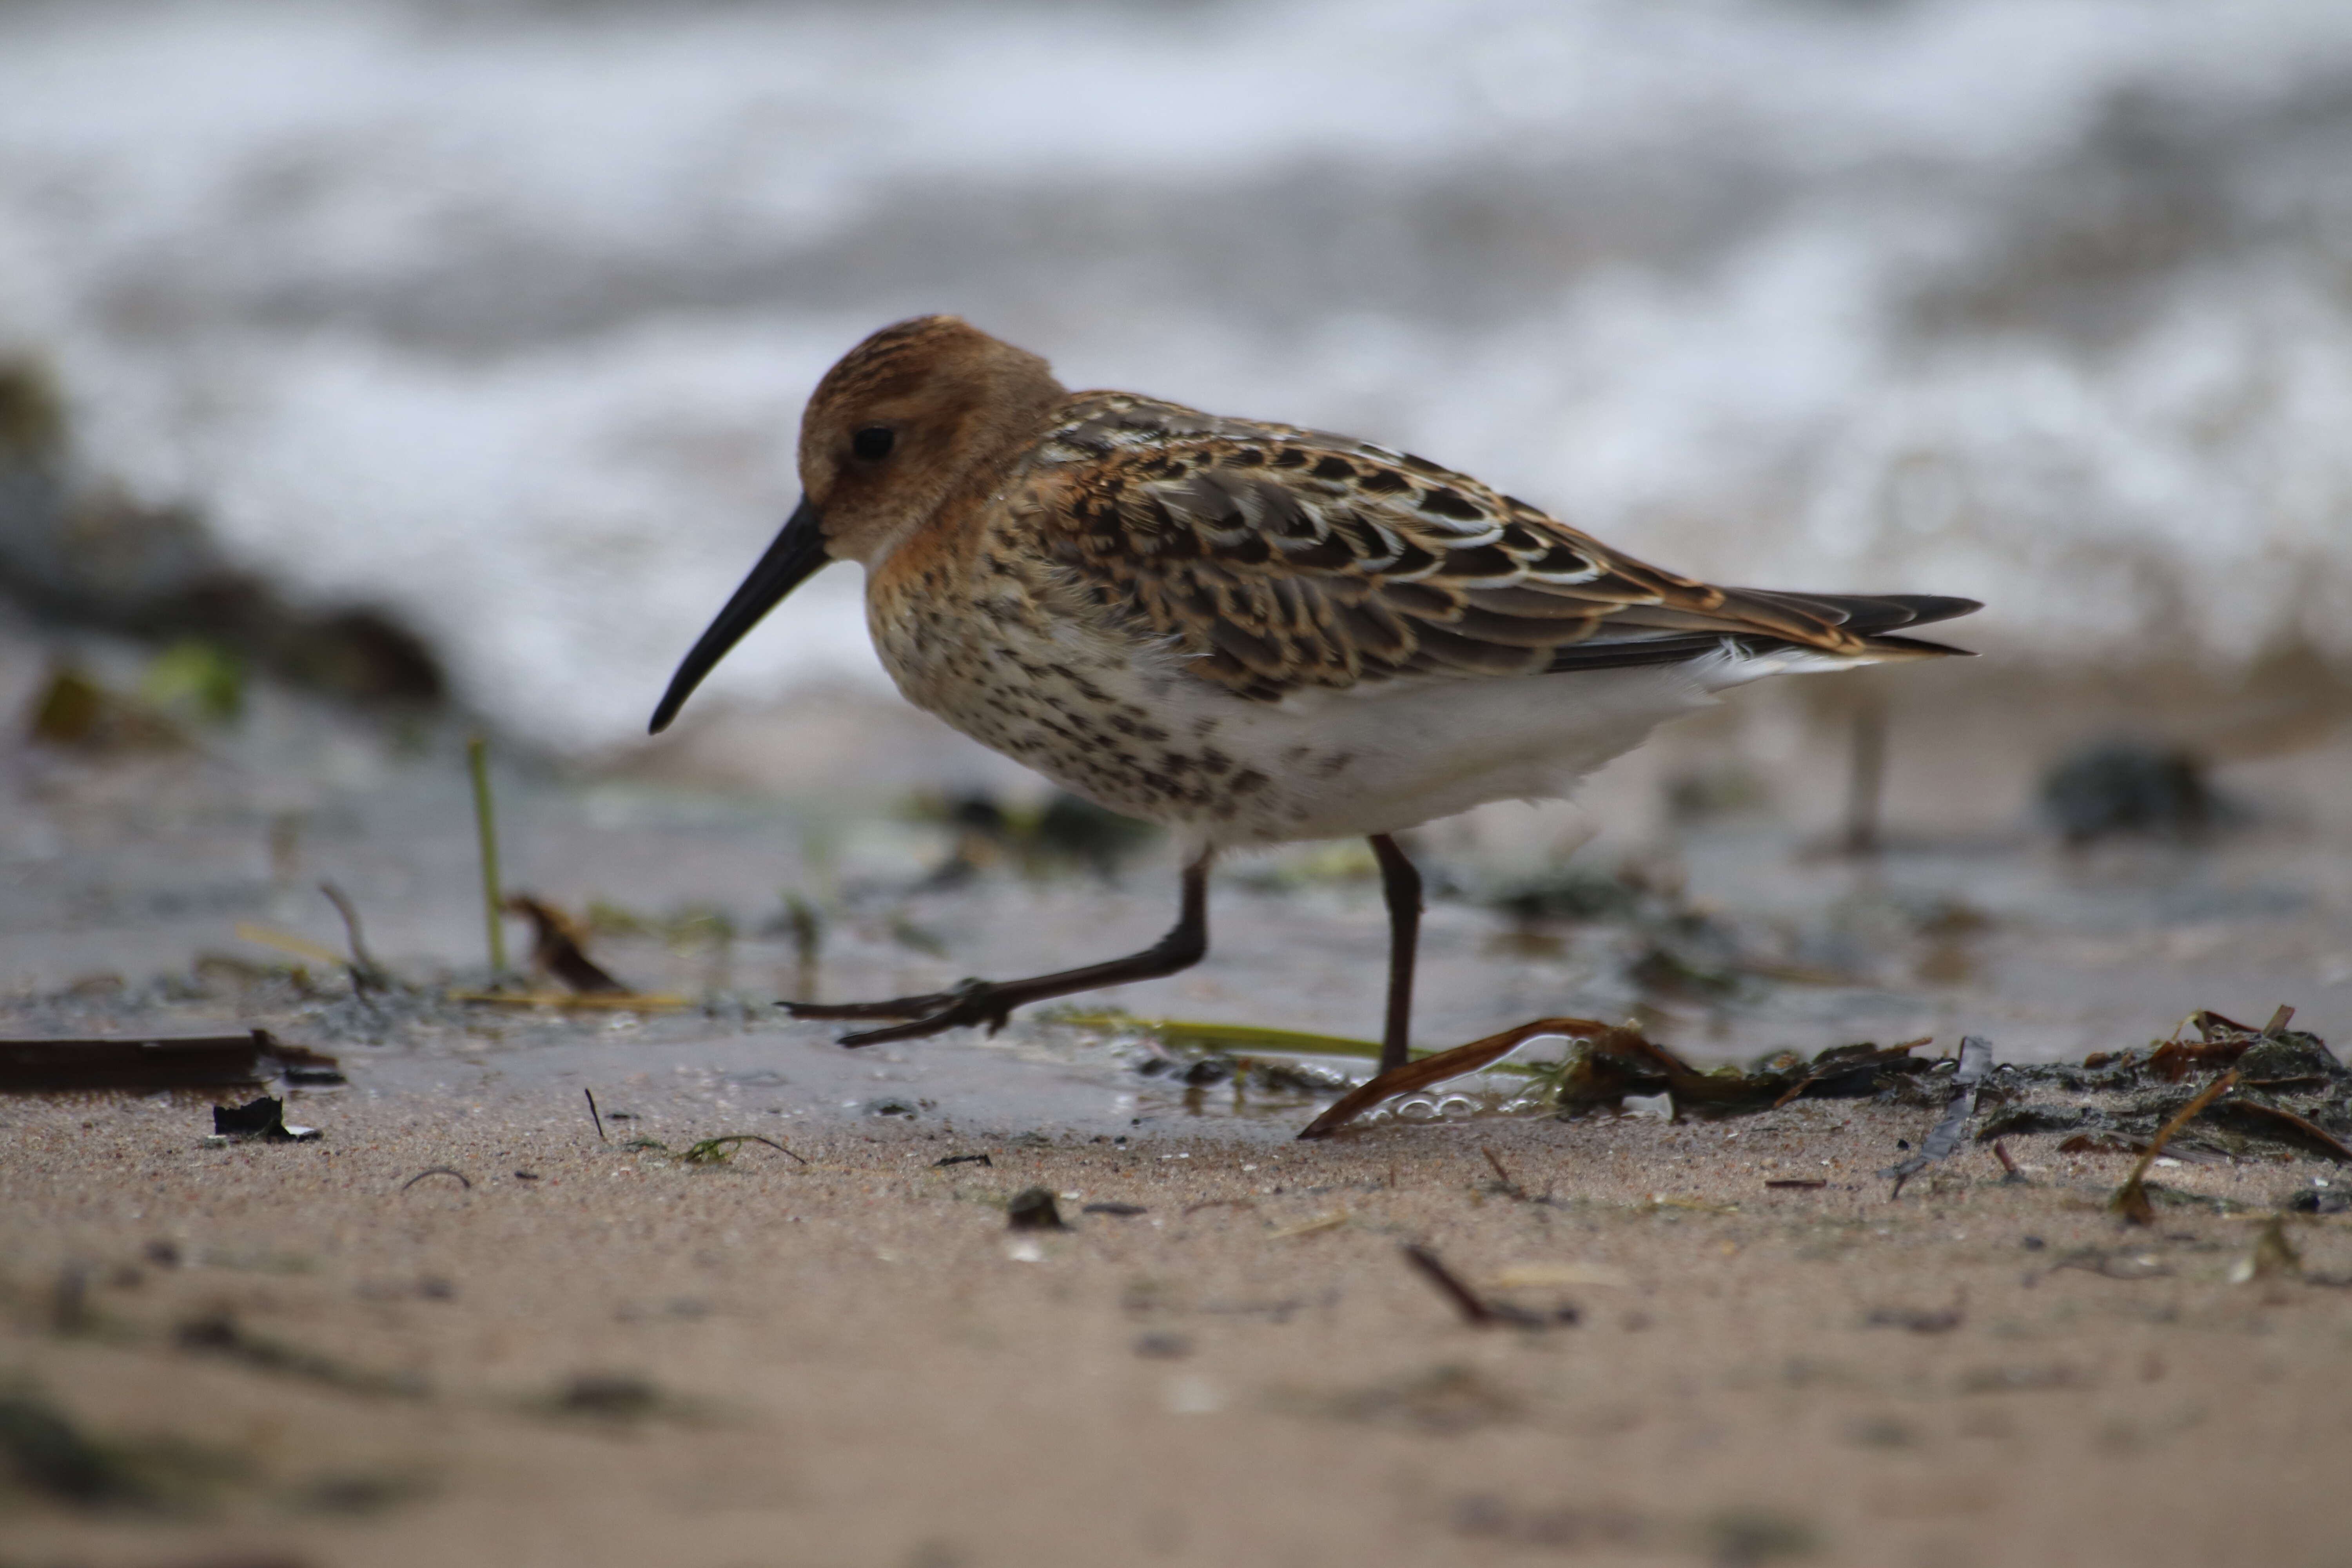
x=1281, y=558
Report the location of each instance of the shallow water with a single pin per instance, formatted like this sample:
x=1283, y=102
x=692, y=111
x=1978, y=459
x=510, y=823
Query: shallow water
x=129, y=880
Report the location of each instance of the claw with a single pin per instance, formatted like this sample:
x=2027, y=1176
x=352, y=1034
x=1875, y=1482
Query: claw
x=922, y=1007
x=914, y=1031
x=990, y=1003
x=973, y=1002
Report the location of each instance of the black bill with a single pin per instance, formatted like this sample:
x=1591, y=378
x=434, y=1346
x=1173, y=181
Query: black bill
x=791, y=561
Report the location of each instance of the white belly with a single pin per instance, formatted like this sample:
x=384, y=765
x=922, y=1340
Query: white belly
x=1139, y=735
x=1348, y=764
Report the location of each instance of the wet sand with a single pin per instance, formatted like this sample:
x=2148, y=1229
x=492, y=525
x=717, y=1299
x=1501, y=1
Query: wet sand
x=626, y=1356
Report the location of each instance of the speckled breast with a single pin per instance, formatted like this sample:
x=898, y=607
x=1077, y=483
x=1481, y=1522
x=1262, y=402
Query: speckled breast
x=1086, y=705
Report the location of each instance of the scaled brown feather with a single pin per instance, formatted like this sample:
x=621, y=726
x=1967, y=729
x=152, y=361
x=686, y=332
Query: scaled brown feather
x=1282, y=559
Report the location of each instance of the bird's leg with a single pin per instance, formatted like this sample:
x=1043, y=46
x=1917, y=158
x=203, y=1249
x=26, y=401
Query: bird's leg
x=1401, y=885
x=990, y=1002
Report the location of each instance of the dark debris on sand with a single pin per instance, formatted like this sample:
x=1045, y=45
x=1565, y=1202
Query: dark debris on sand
x=2291, y=1093
x=1617, y=1063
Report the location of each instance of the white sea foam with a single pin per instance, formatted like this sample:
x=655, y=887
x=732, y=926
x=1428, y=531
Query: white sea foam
x=500, y=317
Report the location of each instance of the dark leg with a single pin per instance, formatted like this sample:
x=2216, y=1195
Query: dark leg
x=990, y=1002
x=1401, y=884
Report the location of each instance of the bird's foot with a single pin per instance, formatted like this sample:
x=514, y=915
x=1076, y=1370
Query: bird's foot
x=980, y=1002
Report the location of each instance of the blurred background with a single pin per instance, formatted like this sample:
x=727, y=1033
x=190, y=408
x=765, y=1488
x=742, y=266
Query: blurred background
x=372, y=369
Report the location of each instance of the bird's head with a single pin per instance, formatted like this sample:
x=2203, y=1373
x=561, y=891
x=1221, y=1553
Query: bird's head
x=910, y=418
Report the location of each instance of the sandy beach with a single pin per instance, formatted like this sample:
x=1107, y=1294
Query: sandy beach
x=467, y=1324
x=573, y=1352
x=390, y=385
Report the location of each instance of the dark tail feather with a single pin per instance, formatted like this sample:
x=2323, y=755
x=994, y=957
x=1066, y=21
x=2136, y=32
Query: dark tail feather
x=1868, y=616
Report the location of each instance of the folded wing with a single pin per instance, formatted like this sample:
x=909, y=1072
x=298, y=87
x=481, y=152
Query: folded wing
x=1283, y=558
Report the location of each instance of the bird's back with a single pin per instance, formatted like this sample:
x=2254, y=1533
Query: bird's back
x=1283, y=559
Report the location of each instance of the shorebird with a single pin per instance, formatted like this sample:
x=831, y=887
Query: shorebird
x=1250, y=633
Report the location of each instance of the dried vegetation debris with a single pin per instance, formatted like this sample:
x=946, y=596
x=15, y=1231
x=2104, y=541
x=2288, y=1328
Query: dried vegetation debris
x=164, y=1059
x=2290, y=1093
x=1617, y=1062
x=1610, y=1063
x=559, y=947
x=2284, y=1091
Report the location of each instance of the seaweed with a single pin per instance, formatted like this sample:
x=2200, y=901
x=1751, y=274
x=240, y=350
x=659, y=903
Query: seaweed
x=2290, y=1093
x=720, y=1150
x=2131, y=1199
x=1615, y=1063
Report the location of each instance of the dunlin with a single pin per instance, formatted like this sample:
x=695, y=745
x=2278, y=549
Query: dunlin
x=1250, y=633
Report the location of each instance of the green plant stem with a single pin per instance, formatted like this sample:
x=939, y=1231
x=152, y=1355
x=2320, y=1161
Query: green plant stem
x=486, y=826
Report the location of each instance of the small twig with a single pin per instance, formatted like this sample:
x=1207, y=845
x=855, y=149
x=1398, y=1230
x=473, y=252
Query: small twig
x=486, y=832
x=1475, y=1309
x=1510, y=1189
x=1468, y=1302
x=2131, y=1199
x=2009, y=1168
x=593, y=1117
x=366, y=973
x=438, y=1171
x=964, y=1160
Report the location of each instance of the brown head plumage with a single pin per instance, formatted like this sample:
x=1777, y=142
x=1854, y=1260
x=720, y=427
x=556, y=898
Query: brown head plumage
x=911, y=417
x=918, y=415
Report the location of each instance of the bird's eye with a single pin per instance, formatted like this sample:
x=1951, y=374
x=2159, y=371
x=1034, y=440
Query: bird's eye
x=874, y=443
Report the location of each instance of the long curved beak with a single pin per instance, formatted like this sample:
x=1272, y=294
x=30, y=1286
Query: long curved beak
x=791, y=561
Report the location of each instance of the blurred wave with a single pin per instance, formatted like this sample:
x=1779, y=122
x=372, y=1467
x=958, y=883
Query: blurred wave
x=498, y=316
